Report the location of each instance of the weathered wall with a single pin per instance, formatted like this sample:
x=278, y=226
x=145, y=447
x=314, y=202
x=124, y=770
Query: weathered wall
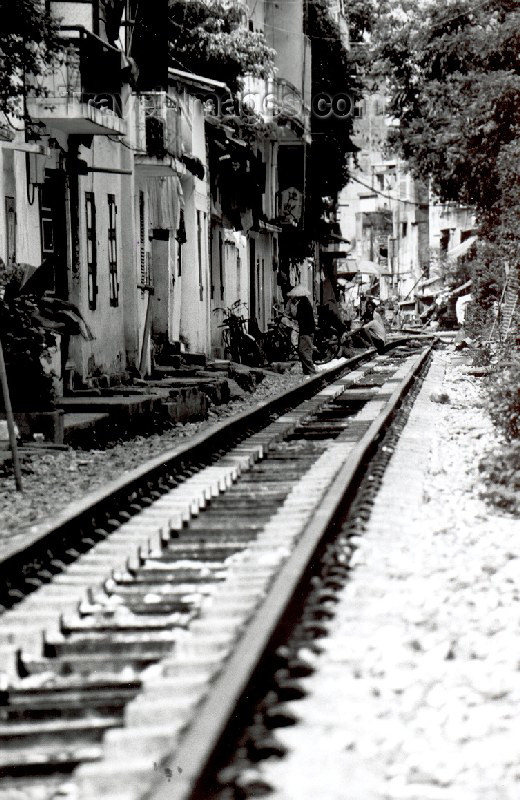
x=283, y=28
x=107, y=352
x=195, y=302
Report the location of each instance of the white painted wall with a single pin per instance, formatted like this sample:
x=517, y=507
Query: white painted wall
x=175, y=289
x=70, y=13
x=13, y=184
x=194, y=327
x=457, y=219
x=107, y=352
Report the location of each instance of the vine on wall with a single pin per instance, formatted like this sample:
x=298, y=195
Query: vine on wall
x=210, y=39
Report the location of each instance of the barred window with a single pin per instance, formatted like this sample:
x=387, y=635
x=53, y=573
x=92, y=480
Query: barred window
x=144, y=256
x=90, y=216
x=112, y=250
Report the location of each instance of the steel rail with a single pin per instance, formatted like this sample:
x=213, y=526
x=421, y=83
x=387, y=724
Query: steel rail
x=65, y=526
x=213, y=717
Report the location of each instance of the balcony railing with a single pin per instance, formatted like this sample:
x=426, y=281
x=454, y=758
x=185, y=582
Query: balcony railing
x=83, y=92
x=162, y=125
x=158, y=133
x=289, y=105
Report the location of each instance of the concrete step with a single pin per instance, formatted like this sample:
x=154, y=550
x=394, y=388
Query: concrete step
x=120, y=407
x=82, y=421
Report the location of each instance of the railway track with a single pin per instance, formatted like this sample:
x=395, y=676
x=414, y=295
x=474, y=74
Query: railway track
x=132, y=625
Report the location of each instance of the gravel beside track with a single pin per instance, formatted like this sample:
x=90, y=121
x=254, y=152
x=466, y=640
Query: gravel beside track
x=416, y=693
x=53, y=480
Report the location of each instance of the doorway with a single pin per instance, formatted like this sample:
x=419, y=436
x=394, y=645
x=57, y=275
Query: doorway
x=252, y=278
x=53, y=231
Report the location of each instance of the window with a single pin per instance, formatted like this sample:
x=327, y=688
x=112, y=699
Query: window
x=179, y=259
x=199, y=252
x=404, y=229
x=378, y=107
x=53, y=231
x=90, y=216
x=258, y=289
x=112, y=250
x=10, y=231
x=46, y=221
x=181, y=239
x=144, y=256
x=221, y=264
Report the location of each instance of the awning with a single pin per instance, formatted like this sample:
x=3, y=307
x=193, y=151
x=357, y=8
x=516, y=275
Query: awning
x=430, y=281
x=368, y=267
x=350, y=266
x=462, y=248
x=458, y=290
x=196, y=81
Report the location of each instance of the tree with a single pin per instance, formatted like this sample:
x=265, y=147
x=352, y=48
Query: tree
x=336, y=80
x=361, y=16
x=454, y=80
x=28, y=44
x=209, y=38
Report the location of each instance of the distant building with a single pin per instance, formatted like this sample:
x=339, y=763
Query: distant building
x=391, y=218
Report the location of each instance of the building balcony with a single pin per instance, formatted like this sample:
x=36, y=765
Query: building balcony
x=285, y=105
x=82, y=93
x=158, y=135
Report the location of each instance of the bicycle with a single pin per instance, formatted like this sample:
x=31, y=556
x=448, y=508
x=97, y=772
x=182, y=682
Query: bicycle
x=280, y=342
x=239, y=345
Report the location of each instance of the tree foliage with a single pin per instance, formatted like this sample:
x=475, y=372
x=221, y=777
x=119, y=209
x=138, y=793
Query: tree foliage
x=28, y=44
x=454, y=78
x=335, y=74
x=361, y=16
x=209, y=39
x=26, y=343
